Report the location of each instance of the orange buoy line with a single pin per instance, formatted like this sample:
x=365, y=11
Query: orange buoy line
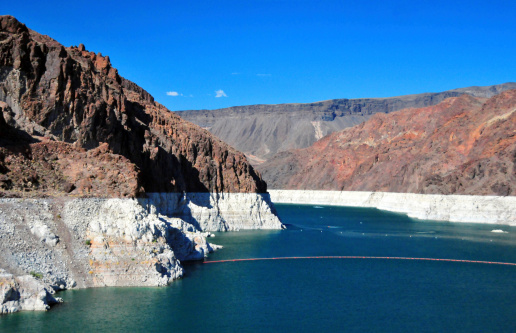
x=366, y=257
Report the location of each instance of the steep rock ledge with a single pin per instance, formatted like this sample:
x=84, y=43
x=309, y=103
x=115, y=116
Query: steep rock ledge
x=218, y=211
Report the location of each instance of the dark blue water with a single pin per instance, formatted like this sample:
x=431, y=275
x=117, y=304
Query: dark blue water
x=307, y=295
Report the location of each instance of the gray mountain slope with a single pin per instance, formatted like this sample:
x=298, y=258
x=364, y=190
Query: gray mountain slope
x=261, y=131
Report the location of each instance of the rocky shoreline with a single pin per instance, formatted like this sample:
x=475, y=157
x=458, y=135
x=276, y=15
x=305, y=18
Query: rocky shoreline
x=53, y=244
x=452, y=208
x=100, y=185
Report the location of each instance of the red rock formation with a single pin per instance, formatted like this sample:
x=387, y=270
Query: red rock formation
x=464, y=145
x=75, y=96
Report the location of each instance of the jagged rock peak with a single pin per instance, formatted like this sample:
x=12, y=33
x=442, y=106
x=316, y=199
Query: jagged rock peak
x=10, y=24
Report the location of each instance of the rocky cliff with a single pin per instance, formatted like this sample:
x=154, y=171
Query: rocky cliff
x=261, y=131
x=71, y=95
x=99, y=184
x=463, y=145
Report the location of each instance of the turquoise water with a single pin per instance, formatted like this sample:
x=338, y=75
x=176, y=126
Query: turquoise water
x=307, y=295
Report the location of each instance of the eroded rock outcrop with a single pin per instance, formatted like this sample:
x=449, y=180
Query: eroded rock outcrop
x=24, y=293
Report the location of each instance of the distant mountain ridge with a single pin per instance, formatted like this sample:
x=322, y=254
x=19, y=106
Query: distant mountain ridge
x=261, y=131
x=463, y=145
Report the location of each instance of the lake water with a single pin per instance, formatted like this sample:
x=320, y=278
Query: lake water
x=307, y=295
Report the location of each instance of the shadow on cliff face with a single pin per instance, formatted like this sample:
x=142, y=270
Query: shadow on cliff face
x=197, y=199
x=267, y=198
x=14, y=137
x=14, y=142
x=130, y=134
x=18, y=178
x=11, y=136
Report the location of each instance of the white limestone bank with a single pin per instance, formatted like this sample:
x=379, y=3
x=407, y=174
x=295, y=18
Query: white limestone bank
x=78, y=243
x=24, y=293
x=217, y=211
x=453, y=208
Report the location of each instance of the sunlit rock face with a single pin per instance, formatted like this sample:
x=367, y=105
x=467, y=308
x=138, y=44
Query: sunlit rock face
x=464, y=145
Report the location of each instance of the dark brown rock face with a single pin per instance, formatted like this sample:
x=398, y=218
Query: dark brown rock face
x=464, y=145
x=74, y=96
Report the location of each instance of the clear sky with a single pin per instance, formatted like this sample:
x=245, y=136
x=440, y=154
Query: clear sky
x=213, y=54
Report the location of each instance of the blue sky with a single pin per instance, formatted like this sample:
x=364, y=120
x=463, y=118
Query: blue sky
x=281, y=51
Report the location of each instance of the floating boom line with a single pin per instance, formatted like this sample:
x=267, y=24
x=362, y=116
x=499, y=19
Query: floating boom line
x=366, y=257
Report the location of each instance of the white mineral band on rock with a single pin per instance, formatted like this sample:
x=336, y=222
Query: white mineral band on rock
x=453, y=208
x=217, y=211
x=93, y=242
